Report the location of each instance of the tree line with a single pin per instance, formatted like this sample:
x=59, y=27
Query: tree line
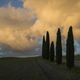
x=49, y=53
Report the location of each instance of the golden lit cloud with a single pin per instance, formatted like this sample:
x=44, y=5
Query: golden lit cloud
x=21, y=27
x=15, y=24
x=56, y=13
x=17, y=17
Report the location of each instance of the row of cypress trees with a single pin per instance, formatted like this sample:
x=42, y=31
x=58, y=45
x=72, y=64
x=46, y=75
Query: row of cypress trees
x=48, y=49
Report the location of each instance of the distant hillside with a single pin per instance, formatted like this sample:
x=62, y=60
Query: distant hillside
x=7, y=51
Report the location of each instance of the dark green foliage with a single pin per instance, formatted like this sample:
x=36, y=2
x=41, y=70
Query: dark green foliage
x=58, y=48
x=43, y=47
x=52, y=52
x=70, y=49
x=47, y=45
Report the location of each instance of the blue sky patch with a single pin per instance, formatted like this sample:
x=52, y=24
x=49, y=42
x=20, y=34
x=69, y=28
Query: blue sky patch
x=14, y=3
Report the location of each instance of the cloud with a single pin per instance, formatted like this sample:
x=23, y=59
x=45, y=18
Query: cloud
x=15, y=24
x=24, y=27
x=56, y=13
x=18, y=39
x=16, y=17
x=52, y=14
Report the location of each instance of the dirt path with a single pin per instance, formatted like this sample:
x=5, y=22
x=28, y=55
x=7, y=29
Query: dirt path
x=34, y=69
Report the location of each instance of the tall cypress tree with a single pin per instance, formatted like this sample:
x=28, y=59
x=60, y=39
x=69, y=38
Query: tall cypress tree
x=52, y=51
x=47, y=45
x=70, y=49
x=58, y=48
x=43, y=47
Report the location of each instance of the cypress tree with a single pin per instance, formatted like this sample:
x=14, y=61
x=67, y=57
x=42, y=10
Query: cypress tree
x=70, y=49
x=47, y=45
x=52, y=51
x=58, y=48
x=43, y=47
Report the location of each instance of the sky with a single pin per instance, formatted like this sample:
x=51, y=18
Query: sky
x=24, y=22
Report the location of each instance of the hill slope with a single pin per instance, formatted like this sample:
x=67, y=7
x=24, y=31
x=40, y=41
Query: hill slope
x=34, y=69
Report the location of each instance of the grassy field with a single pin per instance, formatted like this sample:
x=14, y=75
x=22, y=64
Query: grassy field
x=36, y=69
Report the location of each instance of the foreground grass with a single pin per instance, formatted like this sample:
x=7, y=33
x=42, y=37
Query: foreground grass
x=36, y=69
